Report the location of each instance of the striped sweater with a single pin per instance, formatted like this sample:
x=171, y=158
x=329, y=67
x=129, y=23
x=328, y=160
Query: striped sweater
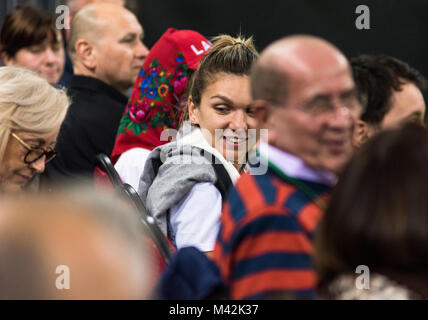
x=265, y=242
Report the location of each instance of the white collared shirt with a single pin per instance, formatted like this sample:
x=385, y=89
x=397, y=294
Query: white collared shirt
x=294, y=166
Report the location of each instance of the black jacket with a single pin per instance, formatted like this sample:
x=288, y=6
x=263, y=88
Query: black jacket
x=89, y=128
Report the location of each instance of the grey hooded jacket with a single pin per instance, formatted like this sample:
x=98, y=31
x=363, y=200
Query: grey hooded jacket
x=172, y=170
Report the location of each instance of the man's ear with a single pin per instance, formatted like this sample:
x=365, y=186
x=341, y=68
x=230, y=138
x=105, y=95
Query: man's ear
x=362, y=132
x=193, y=111
x=7, y=60
x=261, y=114
x=86, y=53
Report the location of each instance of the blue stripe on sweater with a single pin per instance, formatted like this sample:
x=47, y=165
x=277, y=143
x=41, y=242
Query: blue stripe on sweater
x=287, y=294
x=262, y=225
x=237, y=206
x=267, y=189
x=271, y=261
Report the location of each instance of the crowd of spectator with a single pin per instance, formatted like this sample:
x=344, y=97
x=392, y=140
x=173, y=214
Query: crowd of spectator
x=201, y=168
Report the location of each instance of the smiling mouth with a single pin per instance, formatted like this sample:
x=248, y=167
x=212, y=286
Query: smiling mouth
x=337, y=146
x=234, y=141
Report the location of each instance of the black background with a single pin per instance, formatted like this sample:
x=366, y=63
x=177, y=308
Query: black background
x=398, y=28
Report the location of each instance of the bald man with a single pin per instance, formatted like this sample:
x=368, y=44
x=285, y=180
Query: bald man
x=74, y=245
x=74, y=6
x=107, y=52
x=304, y=95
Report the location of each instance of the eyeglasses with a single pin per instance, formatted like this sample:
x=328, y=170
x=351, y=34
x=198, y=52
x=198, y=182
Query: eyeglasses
x=324, y=105
x=34, y=154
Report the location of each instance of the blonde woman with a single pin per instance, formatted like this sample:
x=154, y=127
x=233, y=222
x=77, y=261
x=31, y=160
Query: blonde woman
x=31, y=113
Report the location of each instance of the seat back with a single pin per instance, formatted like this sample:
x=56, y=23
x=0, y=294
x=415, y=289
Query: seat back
x=149, y=223
x=107, y=166
x=161, y=242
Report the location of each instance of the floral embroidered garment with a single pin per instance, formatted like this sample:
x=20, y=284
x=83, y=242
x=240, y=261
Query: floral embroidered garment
x=158, y=97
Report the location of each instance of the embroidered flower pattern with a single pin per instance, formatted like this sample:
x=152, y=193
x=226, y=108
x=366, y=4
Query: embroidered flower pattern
x=150, y=105
x=163, y=90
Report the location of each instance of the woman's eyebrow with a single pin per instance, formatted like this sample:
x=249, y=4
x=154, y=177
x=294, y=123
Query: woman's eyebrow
x=228, y=101
x=39, y=142
x=224, y=98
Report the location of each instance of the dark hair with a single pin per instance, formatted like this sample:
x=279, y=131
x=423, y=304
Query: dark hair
x=376, y=77
x=26, y=26
x=227, y=55
x=378, y=212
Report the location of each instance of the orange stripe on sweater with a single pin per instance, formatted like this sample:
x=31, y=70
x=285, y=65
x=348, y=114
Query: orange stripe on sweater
x=277, y=241
x=283, y=191
x=257, y=213
x=249, y=191
x=309, y=217
x=273, y=280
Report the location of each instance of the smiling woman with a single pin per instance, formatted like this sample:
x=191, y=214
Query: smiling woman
x=30, y=39
x=184, y=182
x=31, y=112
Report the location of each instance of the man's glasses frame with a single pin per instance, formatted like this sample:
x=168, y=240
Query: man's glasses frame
x=50, y=153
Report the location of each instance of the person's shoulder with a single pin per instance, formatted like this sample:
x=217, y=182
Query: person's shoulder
x=252, y=195
x=90, y=90
x=187, y=158
x=167, y=166
x=193, y=205
x=134, y=156
x=81, y=103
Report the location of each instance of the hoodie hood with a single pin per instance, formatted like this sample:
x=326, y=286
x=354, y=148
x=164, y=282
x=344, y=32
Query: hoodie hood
x=173, y=169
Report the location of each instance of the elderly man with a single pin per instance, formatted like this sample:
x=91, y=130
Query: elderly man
x=390, y=92
x=304, y=95
x=107, y=52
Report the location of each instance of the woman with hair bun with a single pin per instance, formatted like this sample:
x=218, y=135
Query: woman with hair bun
x=185, y=181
